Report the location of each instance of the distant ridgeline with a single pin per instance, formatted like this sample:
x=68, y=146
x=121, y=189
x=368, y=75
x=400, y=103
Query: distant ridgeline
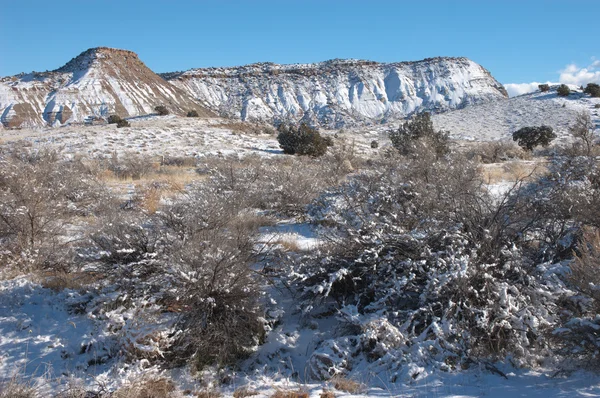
x=103, y=81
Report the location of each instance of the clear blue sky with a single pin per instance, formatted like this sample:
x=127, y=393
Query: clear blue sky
x=518, y=41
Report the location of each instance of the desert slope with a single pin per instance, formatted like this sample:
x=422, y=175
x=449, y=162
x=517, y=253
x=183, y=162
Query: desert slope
x=98, y=82
x=340, y=92
x=499, y=119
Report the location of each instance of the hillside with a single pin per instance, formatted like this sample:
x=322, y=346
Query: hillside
x=98, y=82
x=499, y=119
x=340, y=93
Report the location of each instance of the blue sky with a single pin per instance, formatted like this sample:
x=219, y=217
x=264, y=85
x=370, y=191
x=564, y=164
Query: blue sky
x=518, y=41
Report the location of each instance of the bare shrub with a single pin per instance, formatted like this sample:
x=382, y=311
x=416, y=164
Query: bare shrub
x=194, y=257
x=497, y=151
x=179, y=161
x=130, y=166
x=40, y=196
x=16, y=388
x=577, y=336
x=583, y=130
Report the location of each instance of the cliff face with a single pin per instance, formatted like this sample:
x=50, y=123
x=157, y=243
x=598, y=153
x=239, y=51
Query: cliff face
x=340, y=92
x=98, y=82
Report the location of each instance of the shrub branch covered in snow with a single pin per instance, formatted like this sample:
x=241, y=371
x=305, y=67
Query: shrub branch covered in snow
x=426, y=268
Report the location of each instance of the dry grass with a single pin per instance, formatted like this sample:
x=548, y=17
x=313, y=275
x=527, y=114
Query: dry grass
x=174, y=175
x=347, y=385
x=327, y=394
x=59, y=280
x=148, y=387
x=16, y=388
x=243, y=392
x=585, y=268
x=211, y=393
x=512, y=171
x=288, y=244
x=290, y=394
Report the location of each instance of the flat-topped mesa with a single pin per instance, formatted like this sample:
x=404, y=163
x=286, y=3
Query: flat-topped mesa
x=87, y=58
x=98, y=82
x=340, y=92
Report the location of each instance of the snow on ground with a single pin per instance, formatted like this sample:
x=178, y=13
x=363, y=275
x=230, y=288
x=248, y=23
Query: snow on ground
x=152, y=136
x=43, y=338
x=499, y=119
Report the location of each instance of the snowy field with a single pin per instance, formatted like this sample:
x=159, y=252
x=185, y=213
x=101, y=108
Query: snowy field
x=56, y=339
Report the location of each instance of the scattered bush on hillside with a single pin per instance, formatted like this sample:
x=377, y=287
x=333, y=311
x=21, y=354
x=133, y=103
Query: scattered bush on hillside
x=592, y=89
x=161, y=110
x=374, y=144
x=192, y=113
x=530, y=137
x=301, y=140
x=112, y=119
x=583, y=130
x=563, y=90
x=130, y=165
x=419, y=132
x=123, y=123
x=544, y=87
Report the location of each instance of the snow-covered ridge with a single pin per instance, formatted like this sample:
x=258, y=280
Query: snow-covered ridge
x=98, y=82
x=340, y=92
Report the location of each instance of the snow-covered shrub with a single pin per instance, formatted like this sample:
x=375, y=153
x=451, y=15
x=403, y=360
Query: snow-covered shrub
x=578, y=336
x=40, y=197
x=425, y=267
x=190, y=259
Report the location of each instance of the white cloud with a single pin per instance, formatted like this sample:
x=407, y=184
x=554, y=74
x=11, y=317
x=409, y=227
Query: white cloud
x=515, y=89
x=571, y=74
